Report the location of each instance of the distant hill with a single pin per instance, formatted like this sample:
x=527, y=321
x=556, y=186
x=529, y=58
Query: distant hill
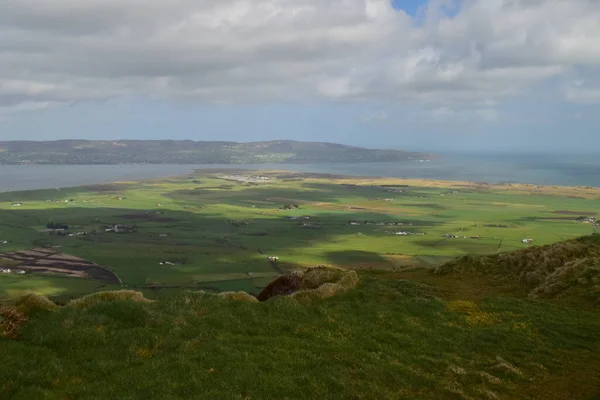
x=190, y=152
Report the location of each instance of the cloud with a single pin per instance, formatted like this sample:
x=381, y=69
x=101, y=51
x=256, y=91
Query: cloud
x=443, y=113
x=586, y=92
x=234, y=51
x=446, y=114
x=375, y=116
x=28, y=106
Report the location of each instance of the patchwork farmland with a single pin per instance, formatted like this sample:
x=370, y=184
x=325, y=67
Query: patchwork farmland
x=239, y=230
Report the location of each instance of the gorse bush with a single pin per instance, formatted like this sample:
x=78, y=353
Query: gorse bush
x=10, y=320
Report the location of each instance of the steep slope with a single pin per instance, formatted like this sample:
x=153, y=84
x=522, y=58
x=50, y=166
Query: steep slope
x=568, y=269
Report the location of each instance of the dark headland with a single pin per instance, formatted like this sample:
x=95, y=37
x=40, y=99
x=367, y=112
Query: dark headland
x=96, y=152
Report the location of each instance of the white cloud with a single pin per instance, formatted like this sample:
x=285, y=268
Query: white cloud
x=581, y=91
x=375, y=116
x=446, y=114
x=443, y=113
x=28, y=106
x=488, y=114
x=261, y=50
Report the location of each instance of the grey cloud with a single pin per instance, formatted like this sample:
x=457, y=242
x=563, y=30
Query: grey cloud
x=255, y=50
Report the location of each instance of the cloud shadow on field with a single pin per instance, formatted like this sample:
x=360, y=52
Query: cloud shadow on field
x=358, y=259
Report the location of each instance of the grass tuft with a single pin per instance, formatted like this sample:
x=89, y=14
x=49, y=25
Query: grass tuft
x=238, y=296
x=347, y=282
x=102, y=297
x=33, y=302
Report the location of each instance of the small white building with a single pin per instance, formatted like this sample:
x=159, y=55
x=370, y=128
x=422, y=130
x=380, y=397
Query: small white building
x=527, y=241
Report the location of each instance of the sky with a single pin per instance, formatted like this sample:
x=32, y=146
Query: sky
x=428, y=75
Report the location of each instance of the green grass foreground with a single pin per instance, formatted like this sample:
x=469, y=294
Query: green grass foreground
x=389, y=338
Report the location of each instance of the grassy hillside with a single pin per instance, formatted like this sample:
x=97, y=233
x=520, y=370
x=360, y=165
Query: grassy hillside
x=388, y=338
x=568, y=269
x=189, y=152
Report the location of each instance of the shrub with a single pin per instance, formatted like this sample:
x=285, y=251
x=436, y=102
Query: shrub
x=10, y=320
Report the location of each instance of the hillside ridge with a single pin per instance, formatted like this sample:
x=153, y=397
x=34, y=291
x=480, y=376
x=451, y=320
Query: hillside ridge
x=384, y=338
x=568, y=269
x=95, y=152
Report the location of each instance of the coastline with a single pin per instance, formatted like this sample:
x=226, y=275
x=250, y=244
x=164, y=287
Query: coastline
x=575, y=192
x=573, y=172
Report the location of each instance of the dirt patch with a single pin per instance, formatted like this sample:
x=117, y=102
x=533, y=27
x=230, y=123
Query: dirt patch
x=36, y=253
x=147, y=217
x=66, y=258
x=33, y=253
x=16, y=257
x=49, y=269
x=62, y=264
x=578, y=213
x=62, y=261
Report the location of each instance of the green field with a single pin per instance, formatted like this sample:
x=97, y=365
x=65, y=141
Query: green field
x=219, y=232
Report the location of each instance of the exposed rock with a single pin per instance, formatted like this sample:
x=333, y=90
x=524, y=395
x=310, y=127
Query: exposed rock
x=282, y=286
x=321, y=282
